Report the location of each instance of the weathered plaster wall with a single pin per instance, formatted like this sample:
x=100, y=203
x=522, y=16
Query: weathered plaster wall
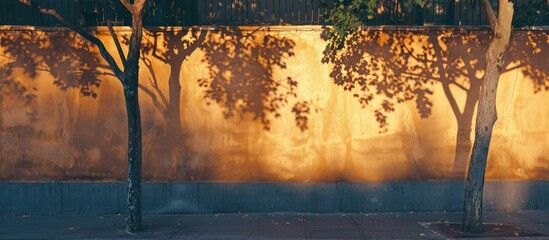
x=259, y=105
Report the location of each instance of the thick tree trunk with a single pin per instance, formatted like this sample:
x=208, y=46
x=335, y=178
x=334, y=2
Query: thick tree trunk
x=134, y=160
x=486, y=117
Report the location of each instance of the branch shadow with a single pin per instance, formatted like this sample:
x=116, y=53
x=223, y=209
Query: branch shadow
x=245, y=81
x=171, y=46
x=242, y=78
x=383, y=68
x=74, y=66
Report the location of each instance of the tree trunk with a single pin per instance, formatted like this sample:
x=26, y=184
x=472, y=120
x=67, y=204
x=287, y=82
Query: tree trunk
x=134, y=160
x=129, y=79
x=486, y=117
x=131, y=93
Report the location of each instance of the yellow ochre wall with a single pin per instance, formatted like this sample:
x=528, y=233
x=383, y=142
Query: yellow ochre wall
x=259, y=104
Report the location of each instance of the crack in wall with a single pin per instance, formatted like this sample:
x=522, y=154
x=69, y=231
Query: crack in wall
x=412, y=157
x=511, y=100
x=339, y=196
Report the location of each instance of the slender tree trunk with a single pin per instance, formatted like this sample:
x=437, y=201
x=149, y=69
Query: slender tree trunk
x=134, y=160
x=129, y=79
x=131, y=93
x=486, y=117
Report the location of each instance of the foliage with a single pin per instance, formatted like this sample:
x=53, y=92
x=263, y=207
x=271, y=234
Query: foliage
x=529, y=12
x=348, y=15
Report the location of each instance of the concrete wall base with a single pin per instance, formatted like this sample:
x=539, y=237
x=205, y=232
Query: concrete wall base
x=101, y=198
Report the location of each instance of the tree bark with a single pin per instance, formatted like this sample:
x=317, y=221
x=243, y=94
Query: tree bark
x=131, y=94
x=134, y=160
x=486, y=116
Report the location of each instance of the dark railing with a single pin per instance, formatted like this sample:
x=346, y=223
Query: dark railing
x=238, y=12
x=97, y=12
x=254, y=12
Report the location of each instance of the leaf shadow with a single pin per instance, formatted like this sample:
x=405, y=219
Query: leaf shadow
x=386, y=67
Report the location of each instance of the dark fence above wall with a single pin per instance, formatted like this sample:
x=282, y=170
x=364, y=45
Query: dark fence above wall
x=459, y=12
x=255, y=12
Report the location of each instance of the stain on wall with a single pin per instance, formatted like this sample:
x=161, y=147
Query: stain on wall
x=265, y=104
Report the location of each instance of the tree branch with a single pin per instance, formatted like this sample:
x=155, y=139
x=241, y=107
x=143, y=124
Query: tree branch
x=140, y=4
x=85, y=34
x=492, y=19
x=117, y=43
x=128, y=6
x=137, y=32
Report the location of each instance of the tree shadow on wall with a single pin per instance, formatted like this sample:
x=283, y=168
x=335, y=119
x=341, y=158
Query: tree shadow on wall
x=389, y=67
x=72, y=65
x=242, y=77
x=14, y=94
x=242, y=81
x=171, y=46
x=246, y=80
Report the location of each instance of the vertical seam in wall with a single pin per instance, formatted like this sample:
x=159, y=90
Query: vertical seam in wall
x=339, y=196
x=60, y=199
x=117, y=197
x=238, y=197
x=538, y=186
x=106, y=198
x=197, y=197
x=166, y=199
x=169, y=197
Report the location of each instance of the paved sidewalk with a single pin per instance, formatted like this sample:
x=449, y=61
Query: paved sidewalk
x=258, y=226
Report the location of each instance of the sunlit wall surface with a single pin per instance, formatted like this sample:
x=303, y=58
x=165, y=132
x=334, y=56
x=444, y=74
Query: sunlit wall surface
x=266, y=104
